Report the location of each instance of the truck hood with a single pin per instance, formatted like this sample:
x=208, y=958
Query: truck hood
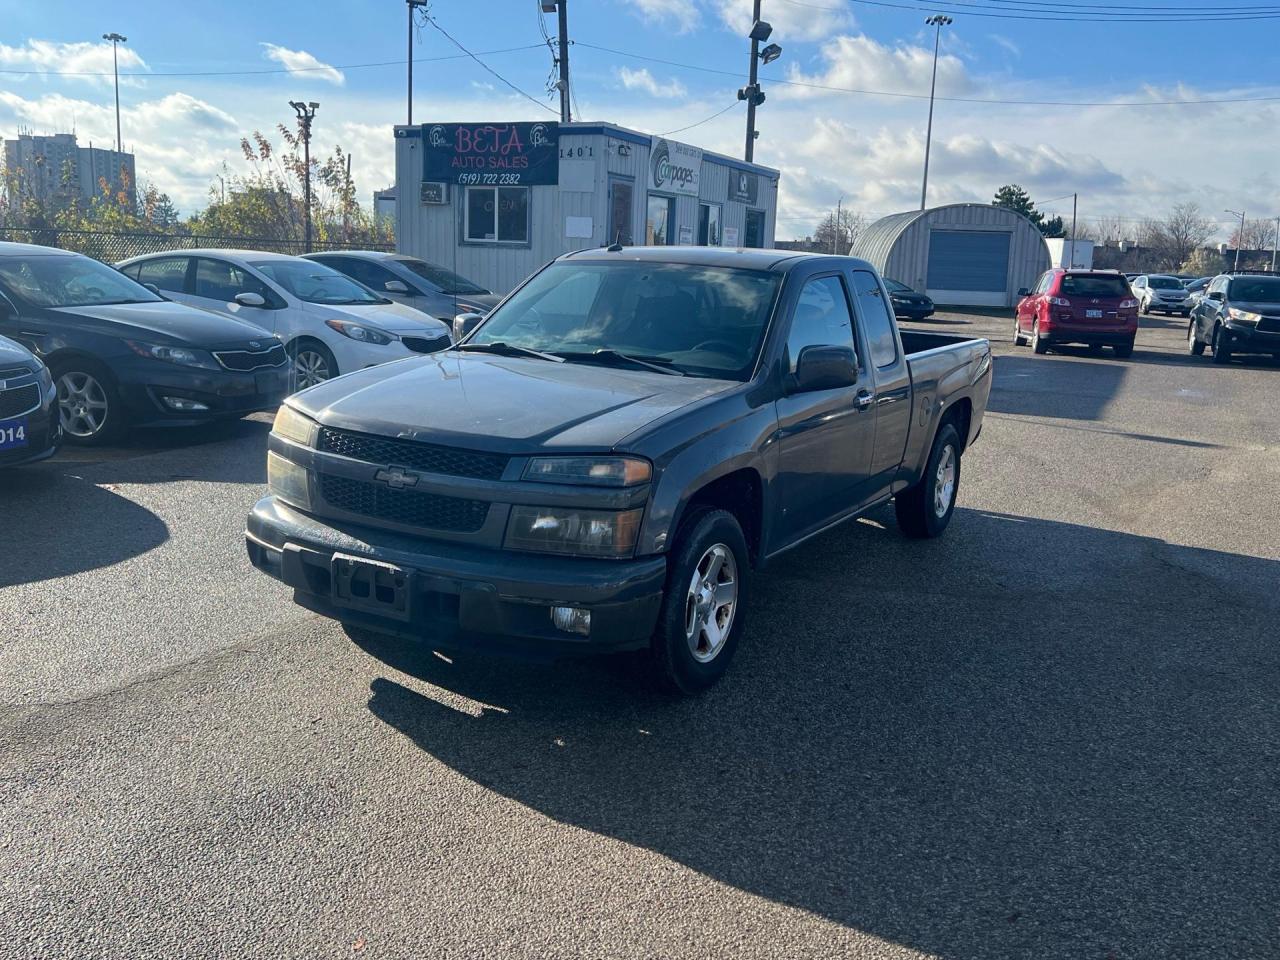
x=512, y=404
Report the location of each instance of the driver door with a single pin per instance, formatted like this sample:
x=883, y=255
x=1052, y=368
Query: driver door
x=215, y=283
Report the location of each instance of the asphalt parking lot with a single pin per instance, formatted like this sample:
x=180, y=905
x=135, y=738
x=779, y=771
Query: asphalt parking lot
x=1055, y=732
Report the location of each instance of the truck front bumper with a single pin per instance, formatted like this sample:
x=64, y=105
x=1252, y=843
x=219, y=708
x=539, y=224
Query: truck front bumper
x=461, y=597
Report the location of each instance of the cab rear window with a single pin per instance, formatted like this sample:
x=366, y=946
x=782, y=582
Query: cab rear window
x=1094, y=285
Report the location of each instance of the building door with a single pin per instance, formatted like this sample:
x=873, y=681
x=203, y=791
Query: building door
x=621, y=205
x=708, y=224
x=969, y=266
x=753, y=236
x=660, y=225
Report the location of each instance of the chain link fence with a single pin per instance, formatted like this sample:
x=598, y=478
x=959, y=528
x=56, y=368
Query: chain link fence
x=114, y=247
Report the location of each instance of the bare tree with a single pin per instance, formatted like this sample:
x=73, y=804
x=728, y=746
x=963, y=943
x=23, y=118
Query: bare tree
x=1107, y=228
x=1172, y=240
x=1258, y=235
x=828, y=238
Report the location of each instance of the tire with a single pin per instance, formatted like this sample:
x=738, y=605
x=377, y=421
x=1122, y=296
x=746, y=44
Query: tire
x=697, y=633
x=1124, y=350
x=925, y=509
x=1018, y=339
x=88, y=403
x=1144, y=308
x=1221, y=352
x=313, y=363
x=1038, y=345
x=1185, y=314
x=1095, y=349
x=1195, y=346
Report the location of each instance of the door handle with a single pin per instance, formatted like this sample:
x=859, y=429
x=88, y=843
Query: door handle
x=863, y=400
x=888, y=398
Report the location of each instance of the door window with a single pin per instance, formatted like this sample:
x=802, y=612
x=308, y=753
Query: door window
x=372, y=275
x=877, y=318
x=821, y=319
x=659, y=230
x=220, y=280
x=621, y=196
x=708, y=224
x=753, y=235
x=167, y=273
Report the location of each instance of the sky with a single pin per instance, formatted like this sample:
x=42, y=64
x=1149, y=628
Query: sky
x=201, y=76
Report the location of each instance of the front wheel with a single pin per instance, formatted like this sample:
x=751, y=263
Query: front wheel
x=313, y=363
x=1018, y=339
x=701, y=617
x=88, y=405
x=1221, y=351
x=925, y=508
x=1195, y=346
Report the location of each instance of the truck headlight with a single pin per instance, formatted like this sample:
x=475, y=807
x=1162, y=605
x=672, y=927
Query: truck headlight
x=288, y=481
x=292, y=425
x=1243, y=316
x=592, y=471
x=582, y=533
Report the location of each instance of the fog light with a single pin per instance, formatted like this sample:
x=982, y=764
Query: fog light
x=571, y=620
x=185, y=405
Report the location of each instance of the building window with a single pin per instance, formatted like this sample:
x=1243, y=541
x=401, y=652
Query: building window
x=708, y=224
x=497, y=214
x=753, y=235
x=660, y=225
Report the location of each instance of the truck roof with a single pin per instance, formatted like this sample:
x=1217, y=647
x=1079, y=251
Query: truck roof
x=771, y=260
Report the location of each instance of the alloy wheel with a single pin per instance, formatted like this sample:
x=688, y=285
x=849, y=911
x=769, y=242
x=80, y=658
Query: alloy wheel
x=711, y=603
x=944, y=482
x=310, y=367
x=82, y=404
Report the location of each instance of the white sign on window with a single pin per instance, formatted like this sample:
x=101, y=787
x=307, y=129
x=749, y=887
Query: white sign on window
x=578, y=228
x=730, y=236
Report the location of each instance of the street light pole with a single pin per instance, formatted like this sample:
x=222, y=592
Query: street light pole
x=752, y=86
x=116, y=39
x=412, y=4
x=937, y=21
x=1239, y=238
x=306, y=113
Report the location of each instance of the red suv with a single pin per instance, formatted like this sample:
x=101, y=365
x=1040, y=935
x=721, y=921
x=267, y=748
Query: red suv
x=1078, y=306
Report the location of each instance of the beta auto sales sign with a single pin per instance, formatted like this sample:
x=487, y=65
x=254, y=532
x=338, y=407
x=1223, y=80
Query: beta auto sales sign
x=491, y=154
x=674, y=167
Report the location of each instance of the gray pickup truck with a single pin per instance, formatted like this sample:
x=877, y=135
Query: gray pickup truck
x=609, y=458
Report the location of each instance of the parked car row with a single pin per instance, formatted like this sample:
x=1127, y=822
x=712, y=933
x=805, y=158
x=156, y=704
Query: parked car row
x=194, y=335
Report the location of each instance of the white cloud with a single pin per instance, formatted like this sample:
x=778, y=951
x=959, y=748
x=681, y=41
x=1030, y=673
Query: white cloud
x=860, y=63
x=69, y=59
x=789, y=21
x=680, y=15
x=303, y=64
x=1008, y=45
x=642, y=79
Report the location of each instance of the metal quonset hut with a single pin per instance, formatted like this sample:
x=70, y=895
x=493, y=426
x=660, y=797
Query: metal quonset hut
x=495, y=201
x=963, y=254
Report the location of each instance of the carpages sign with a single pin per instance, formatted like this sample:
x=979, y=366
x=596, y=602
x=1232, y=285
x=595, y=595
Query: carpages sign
x=491, y=154
x=674, y=167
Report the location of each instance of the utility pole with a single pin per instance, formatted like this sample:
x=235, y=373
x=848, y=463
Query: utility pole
x=412, y=4
x=563, y=21
x=1275, y=244
x=1074, y=197
x=835, y=237
x=1239, y=238
x=306, y=113
x=760, y=32
x=937, y=21
x=116, y=39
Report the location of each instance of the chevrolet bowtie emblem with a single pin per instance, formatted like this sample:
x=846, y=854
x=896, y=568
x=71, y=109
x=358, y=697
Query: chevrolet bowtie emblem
x=397, y=478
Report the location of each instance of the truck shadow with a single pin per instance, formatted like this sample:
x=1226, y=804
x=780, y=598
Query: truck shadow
x=1048, y=386
x=1027, y=739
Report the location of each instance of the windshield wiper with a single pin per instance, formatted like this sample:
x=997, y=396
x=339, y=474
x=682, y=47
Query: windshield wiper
x=659, y=364
x=509, y=350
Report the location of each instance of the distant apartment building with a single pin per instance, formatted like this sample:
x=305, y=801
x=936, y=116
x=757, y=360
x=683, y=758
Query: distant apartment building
x=52, y=170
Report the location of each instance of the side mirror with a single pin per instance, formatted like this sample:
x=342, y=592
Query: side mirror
x=396, y=286
x=247, y=299
x=1024, y=292
x=154, y=289
x=464, y=323
x=825, y=368
x=1217, y=295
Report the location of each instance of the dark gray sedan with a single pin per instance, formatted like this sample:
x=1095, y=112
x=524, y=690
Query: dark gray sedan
x=434, y=290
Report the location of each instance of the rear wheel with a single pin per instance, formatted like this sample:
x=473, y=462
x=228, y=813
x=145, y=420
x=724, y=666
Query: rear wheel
x=1124, y=350
x=1018, y=339
x=1195, y=346
x=925, y=508
x=1038, y=345
x=1221, y=350
x=701, y=617
x=1144, y=308
x=1095, y=349
x=88, y=405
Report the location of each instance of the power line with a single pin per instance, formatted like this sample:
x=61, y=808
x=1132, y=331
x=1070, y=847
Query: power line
x=924, y=96
x=718, y=113
x=432, y=20
x=1096, y=16
x=272, y=70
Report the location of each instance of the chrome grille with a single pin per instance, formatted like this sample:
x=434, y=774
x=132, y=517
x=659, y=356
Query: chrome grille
x=380, y=502
x=245, y=360
x=427, y=457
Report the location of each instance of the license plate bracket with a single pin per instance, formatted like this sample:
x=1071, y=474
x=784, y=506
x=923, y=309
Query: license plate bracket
x=372, y=586
x=13, y=433
x=1093, y=314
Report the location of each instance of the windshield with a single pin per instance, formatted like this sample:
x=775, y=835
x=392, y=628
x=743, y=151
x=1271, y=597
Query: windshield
x=1094, y=285
x=1258, y=289
x=700, y=320
x=896, y=286
x=446, y=280
x=316, y=283
x=1164, y=283
x=60, y=281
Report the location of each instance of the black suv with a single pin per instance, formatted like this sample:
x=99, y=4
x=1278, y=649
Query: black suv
x=1238, y=314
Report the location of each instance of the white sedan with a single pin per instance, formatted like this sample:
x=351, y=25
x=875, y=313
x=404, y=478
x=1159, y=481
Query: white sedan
x=329, y=323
